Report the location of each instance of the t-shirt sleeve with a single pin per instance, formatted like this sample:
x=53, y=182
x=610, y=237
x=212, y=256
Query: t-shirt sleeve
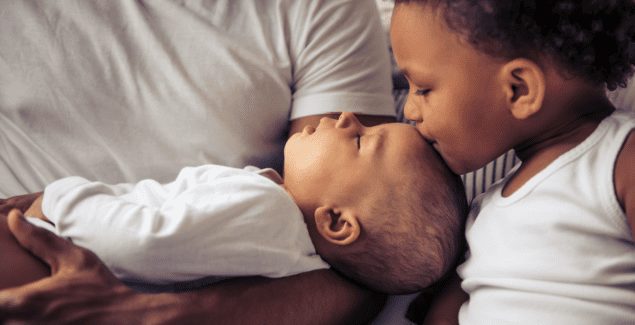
x=341, y=60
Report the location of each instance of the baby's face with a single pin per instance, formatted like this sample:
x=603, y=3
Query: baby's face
x=343, y=160
x=456, y=96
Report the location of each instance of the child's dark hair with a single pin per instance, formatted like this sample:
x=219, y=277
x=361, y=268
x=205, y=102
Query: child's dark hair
x=591, y=39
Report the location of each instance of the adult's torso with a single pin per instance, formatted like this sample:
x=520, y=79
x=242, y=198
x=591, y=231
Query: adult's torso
x=118, y=91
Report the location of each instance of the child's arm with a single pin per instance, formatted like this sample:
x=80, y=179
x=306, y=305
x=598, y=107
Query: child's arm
x=625, y=180
x=444, y=309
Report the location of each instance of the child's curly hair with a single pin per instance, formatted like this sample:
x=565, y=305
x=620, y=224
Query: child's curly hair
x=591, y=39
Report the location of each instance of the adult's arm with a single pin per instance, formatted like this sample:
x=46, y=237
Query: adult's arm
x=625, y=180
x=18, y=267
x=82, y=290
x=445, y=306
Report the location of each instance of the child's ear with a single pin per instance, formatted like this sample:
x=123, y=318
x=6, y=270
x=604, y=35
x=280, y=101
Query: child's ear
x=524, y=83
x=337, y=227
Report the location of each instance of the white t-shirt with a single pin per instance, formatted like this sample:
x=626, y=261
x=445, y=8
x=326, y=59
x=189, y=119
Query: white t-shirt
x=119, y=91
x=210, y=222
x=559, y=250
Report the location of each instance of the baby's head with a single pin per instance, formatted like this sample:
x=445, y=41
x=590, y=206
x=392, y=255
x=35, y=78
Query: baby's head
x=380, y=204
x=486, y=75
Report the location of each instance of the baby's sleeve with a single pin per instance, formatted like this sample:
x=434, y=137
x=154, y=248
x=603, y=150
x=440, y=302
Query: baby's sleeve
x=208, y=222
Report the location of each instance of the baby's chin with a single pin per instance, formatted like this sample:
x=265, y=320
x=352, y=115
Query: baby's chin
x=292, y=143
x=285, y=154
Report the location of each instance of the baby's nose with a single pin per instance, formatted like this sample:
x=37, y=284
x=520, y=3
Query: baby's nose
x=326, y=122
x=346, y=119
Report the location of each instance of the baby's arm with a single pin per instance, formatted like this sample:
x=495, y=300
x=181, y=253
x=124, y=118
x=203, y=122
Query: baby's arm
x=445, y=306
x=625, y=179
x=206, y=214
x=120, y=223
x=35, y=210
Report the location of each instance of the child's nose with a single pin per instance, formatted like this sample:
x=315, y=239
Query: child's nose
x=347, y=119
x=411, y=111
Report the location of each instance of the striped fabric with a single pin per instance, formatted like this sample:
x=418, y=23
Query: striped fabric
x=475, y=182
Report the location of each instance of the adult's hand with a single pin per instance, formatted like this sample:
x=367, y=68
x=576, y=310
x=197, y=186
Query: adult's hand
x=81, y=289
x=20, y=202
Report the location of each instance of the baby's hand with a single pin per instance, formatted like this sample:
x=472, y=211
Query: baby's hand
x=35, y=210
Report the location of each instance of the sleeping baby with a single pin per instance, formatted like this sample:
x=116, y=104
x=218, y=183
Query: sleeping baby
x=375, y=203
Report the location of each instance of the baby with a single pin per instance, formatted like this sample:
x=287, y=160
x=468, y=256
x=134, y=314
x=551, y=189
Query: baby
x=552, y=243
x=377, y=203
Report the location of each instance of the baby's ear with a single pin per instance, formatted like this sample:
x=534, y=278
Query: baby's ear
x=337, y=227
x=524, y=83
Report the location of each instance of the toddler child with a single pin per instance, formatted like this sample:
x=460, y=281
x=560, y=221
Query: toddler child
x=376, y=203
x=552, y=243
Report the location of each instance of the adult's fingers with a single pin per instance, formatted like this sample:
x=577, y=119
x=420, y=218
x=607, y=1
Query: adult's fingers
x=18, y=302
x=61, y=298
x=82, y=295
x=78, y=280
x=20, y=202
x=42, y=243
x=59, y=253
x=5, y=206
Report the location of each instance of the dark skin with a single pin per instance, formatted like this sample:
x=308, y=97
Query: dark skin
x=82, y=290
x=20, y=202
x=17, y=267
x=79, y=270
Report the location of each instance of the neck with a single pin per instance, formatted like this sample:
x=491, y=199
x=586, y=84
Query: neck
x=565, y=129
x=565, y=123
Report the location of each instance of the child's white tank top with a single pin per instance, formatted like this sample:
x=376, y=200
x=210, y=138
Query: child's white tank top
x=559, y=250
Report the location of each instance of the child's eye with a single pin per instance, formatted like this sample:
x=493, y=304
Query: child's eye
x=422, y=92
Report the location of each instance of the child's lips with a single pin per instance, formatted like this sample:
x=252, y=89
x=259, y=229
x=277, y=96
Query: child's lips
x=429, y=140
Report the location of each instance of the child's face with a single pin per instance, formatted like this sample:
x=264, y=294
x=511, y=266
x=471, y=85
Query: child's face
x=342, y=160
x=456, y=97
